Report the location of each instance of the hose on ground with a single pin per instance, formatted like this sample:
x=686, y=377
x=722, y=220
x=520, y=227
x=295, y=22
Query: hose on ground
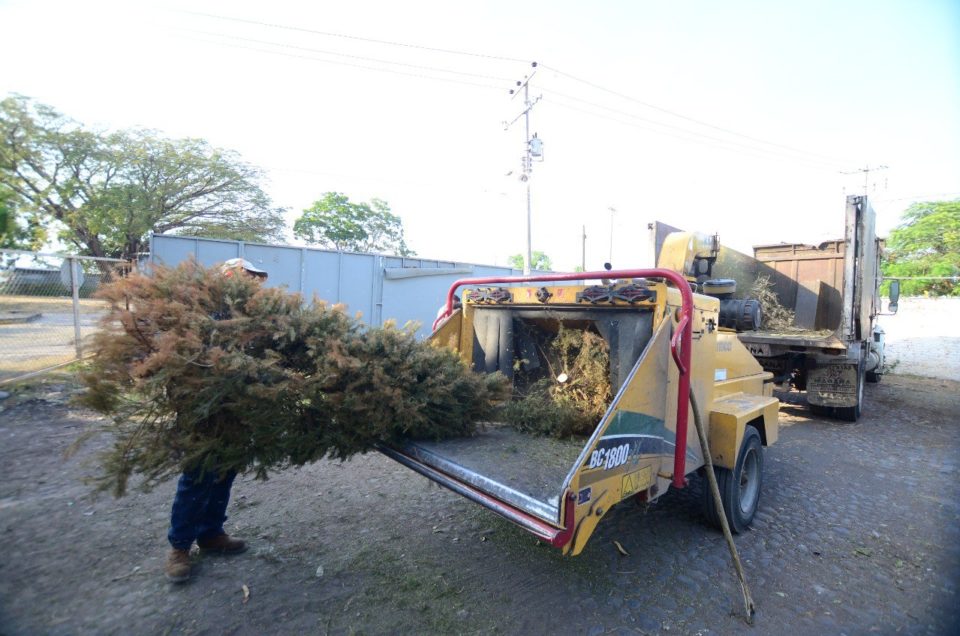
x=718, y=502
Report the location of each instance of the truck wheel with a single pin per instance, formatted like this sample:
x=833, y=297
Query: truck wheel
x=821, y=411
x=873, y=377
x=740, y=487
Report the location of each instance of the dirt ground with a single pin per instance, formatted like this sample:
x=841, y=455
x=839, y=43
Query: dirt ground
x=858, y=533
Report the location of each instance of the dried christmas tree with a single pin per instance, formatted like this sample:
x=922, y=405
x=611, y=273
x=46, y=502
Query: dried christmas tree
x=574, y=397
x=776, y=317
x=198, y=370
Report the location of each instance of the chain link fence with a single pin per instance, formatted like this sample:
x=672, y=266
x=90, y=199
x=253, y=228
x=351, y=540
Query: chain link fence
x=47, y=312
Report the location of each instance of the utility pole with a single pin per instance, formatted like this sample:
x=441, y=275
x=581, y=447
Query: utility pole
x=866, y=176
x=612, y=212
x=583, y=253
x=533, y=149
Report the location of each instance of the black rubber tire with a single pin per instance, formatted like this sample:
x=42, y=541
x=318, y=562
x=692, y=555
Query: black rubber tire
x=873, y=378
x=847, y=413
x=821, y=411
x=745, y=479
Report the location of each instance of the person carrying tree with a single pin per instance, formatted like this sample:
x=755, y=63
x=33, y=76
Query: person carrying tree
x=200, y=504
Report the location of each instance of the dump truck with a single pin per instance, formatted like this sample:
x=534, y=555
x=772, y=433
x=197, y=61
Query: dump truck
x=669, y=348
x=834, y=345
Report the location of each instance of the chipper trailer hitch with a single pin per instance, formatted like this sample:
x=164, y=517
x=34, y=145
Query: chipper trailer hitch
x=670, y=358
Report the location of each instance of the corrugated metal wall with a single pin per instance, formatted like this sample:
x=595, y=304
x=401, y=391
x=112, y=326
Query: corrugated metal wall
x=379, y=287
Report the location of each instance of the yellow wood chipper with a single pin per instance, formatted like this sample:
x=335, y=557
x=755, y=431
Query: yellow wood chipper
x=664, y=341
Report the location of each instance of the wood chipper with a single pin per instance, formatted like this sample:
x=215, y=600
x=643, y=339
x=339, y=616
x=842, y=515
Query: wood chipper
x=664, y=341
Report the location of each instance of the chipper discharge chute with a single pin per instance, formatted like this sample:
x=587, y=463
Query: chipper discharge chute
x=663, y=341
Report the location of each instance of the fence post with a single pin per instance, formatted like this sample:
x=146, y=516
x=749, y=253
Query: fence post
x=75, y=289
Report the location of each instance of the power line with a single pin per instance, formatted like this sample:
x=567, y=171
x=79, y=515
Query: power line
x=689, y=134
x=866, y=176
x=955, y=279
x=681, y=116
x=812, y=155
x=354, y=37
x=699, y=138
x=416, y=185
x=678, y=128
x=928, y=195
x=346, y=55
x=360, y=66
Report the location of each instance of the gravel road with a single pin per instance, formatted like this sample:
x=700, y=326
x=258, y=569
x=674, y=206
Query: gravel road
x=922, y=337
x=858, y=533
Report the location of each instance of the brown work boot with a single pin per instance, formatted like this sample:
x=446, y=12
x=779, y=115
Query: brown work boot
x=177, y=567
x=222, y=544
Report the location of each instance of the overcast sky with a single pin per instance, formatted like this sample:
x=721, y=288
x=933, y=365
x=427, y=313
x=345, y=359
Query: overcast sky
x=735, y=117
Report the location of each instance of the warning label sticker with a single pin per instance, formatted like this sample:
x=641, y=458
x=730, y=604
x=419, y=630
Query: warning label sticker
x=634, y=482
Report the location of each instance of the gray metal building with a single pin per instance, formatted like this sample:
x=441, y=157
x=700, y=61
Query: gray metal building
x=379, y=287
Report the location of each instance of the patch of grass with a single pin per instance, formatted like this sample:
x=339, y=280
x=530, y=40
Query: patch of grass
x=411, y=594
x=14, y=366
x=51, y=305
x=63, y=380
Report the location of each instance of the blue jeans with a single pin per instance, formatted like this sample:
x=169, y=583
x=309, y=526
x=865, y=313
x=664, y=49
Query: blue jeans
x=199, y=508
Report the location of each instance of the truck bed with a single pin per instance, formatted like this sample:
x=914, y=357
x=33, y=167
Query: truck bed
x=524, y=470
x=822, y=338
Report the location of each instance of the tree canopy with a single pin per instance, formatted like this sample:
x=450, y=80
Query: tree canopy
x=18, y=231
x=540, y=261
x=108, y=191
x=927, y=243
x=336, y=222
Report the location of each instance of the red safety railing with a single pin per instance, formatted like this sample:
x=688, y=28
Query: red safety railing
x=680, y=344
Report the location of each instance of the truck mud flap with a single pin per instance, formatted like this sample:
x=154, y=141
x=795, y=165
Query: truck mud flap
x=833, y=385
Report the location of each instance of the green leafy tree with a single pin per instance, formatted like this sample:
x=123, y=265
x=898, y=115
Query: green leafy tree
x=18, y=231
x=927, y=243
x=336, y=222
x=108, y=191
x=539, y=261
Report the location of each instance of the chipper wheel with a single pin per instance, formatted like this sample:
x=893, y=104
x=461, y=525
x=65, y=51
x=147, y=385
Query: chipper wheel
x=740, y=487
